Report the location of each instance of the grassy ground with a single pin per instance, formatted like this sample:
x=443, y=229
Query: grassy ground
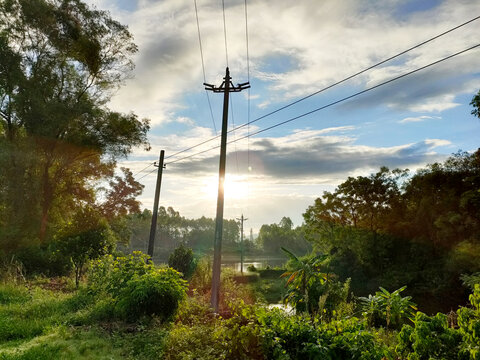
x=36, y=323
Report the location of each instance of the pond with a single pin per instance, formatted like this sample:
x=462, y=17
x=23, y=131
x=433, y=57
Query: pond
x=259, y=263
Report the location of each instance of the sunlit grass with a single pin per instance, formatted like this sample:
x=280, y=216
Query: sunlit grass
x=41, y=324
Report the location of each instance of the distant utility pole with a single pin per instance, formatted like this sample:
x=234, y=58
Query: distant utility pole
x=153, y=227
x=242, y=219
x=227, y=87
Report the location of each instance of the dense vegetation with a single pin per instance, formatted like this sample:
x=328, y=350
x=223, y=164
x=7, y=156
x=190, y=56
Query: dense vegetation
x=60, y=62
x=390, y=229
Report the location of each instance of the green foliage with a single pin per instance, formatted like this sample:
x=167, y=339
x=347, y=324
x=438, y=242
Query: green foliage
x=305, y=272
x=389, y=230
x=155, y=293
x=202, y=277
x=388, y=308
x=476, y=105
x=135, y=287
x=430, y=338
x=470, y=280
x=10, y=293
x=295, y=337
x=58, y=139
x=110, y=274
x=87, y=237
x=44, y=259
x=469, y=325
x=182, y=260
x=251, y=268
x=275, y=236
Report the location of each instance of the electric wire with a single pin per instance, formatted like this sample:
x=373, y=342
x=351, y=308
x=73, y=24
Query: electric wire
x=203, y=67
x=329, y=86
x=248, y=108
x=225, y=31
x=145, y=168
x=334, y=102
x=151, y=172
x=233, y=126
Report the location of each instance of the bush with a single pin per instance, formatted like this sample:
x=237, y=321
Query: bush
x=155, y=293
x=181, y=259
x=110, y=274
x=296, y=337
x=388, y=308
x=44, y=260
x=202, y=277
x=469, y=325
x=136, y=288
x=430, y=338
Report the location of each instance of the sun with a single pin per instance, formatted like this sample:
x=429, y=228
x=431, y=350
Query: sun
x=236, y=187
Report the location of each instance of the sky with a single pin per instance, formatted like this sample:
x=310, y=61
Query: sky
x=295, y=48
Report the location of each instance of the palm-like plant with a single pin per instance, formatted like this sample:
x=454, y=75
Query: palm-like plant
x=304, y=273
x=391, y=306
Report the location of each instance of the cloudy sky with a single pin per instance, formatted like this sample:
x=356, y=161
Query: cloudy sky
x=295, y=49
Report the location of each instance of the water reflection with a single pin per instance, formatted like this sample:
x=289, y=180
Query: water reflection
x=258, y=264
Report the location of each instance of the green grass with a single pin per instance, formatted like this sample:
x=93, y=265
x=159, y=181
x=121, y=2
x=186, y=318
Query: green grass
x=41, y=324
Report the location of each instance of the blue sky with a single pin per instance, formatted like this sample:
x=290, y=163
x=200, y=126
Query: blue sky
x=296, y=48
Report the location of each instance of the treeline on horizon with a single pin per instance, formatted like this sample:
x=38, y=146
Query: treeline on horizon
x=174, y=229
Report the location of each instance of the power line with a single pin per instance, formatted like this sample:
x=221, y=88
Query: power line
x=151, y=172
x=335, y=102
x=246, y=38
x=329, y=86
x=233, y=126
x=248, y=107
x=203, y=66
x=225, y=32
x=146, y=167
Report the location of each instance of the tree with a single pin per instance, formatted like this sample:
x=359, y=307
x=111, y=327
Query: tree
x=476, y=105
x=87, y=237
x=300, y=279
x=181, y=259
x=272, y=237
x=60, y=62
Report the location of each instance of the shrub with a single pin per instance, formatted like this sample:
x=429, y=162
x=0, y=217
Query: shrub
x=388, y=308
x=429, y=338
x=111, y=275
x=44, y=259
x=202, y=277
x=88, y=236
x=469, y=325
x=155, y=293
x=296, y=337
x=181, y=259
x=135, y=287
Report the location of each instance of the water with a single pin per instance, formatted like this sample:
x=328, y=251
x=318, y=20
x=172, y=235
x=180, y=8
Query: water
x=259, y=263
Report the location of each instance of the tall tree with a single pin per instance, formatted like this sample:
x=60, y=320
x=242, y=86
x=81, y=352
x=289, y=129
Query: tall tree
x=60, y=62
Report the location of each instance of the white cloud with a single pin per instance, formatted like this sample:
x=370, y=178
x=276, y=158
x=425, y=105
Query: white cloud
x=418, y=119
x=438, y=104
x=325, y=41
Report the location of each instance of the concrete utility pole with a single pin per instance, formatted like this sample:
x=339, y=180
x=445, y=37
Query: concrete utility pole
x=153, y=227
x=227, y=87
x=242, y=219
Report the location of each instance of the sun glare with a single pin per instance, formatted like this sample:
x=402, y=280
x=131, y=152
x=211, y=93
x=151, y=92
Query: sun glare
x=235, y=187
